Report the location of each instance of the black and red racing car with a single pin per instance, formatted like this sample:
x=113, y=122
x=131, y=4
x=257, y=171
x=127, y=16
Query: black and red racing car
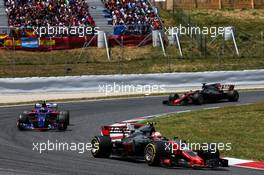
x=143, y=142
x=209, y=93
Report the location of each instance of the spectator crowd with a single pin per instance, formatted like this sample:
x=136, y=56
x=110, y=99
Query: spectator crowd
x=37, y=13
x=137, y=15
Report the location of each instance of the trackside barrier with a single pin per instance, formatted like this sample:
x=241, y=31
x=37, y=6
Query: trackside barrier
x=129, y=40
x=94, y=83
x=62, y=43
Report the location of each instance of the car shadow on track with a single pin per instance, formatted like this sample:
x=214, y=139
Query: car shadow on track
x=131, y=160
x=206, y=103
x=39, y=130
x=195, y=169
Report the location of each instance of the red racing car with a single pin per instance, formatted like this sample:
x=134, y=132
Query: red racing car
x=143, y=142
x=209, y=93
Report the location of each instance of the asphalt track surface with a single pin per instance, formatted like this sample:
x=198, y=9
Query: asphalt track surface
x=16, y=147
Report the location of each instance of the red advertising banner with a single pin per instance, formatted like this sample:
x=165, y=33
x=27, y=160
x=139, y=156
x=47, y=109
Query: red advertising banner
x=62, y=43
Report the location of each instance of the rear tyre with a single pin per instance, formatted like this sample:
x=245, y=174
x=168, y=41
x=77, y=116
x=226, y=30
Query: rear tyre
x=198, y=99
x=62, y=121
x=101, y=147
x=154, y=152
x=233, y=96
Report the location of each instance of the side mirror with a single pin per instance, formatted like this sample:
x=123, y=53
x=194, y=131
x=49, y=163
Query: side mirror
x=37, y=105
x=55, y=105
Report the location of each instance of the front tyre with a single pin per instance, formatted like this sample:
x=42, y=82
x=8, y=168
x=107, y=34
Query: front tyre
x=173, y=97
x=22, y=119
x=211, y=156
x=62, y=121
x=67, y=116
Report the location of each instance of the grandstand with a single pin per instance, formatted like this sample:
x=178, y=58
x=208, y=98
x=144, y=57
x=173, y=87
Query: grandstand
x=26, y=13
x=131, y=14
x=97, y=11
x=132, y=19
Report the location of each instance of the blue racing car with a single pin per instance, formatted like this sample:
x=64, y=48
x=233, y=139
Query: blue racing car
x=44, y=116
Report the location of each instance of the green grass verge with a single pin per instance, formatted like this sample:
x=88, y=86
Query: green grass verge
x=58, y=64
x=240, y=125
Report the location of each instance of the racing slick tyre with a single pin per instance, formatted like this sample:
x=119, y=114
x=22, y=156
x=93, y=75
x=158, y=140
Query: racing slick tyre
x=211, y=156
x=173, y=97
x=233, y=96
x=62, y=121
x=67, y=115
x=198, y=99
x=22, y=119
x=154, y=152
x=170, y=100
x=101, y=147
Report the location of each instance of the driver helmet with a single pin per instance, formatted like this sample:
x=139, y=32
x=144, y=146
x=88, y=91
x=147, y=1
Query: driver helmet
x=156, y=135
x=42, y=109
x=218, y=85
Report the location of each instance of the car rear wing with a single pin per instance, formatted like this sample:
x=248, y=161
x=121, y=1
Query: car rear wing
x=49, y=105
x=120, y=130
x=228, y=87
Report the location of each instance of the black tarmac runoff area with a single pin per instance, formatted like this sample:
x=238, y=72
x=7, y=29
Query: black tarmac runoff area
x=18, y=155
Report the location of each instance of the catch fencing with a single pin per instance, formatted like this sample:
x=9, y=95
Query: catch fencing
x=209, y=4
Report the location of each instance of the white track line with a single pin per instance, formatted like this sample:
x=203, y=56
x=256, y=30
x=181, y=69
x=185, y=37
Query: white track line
x=247, y=167
x=22, y=171
x=95, y=99
x=216, y=107
x=234, y=161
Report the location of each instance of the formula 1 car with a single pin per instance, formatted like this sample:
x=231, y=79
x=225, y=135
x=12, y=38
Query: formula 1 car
x=142, y=142
x=44, y=116
x=209, y=93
